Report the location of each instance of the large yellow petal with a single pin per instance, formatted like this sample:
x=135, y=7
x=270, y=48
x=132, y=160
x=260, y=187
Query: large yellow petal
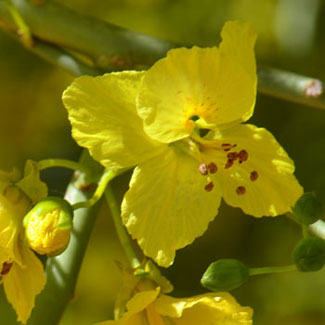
x=208, y=83
x=262, y=185
x=208, y=309
x=104, y=119
x=166, y=207
x=23, y=283
x=238, y=40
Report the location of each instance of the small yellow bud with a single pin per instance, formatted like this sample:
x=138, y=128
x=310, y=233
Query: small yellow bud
x=48, y=226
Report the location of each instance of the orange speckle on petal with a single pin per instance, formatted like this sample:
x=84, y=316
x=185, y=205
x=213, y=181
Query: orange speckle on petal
x=189, y=125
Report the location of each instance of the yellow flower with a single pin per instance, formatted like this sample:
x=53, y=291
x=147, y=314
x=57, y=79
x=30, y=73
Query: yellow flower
x=148, y=307
x=48, y=226
x=180, y=124
x=21, y=271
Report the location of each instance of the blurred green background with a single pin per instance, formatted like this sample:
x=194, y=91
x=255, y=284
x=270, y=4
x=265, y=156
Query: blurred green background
x=34, y=125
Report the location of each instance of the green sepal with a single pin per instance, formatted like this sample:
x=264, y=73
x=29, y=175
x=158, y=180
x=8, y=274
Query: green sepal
x=309, y=254
x=49, y=204
x=225, y=275
x=307, y=209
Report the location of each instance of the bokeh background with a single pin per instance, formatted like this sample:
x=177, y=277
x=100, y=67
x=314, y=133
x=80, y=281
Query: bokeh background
x=33, y=124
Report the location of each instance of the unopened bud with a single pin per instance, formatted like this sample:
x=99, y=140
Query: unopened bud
x=48, y=226
x=307, y=209
x=309, y=254
x=225, y=275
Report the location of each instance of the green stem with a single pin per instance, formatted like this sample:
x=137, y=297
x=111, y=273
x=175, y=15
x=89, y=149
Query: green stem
x=120, y=230
x=305, y=231
x=62, y=271
x=107, y=176
x=272, y=269
x=48, y=163
x=19, y=21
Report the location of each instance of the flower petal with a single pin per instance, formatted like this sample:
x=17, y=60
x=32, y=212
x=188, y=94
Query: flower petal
x=23, y=283
x=218, y=86
x=135, y=306
x=238, y=40
x=8, y=177
x=14, y=204
x=31, y=184
x=263, y=184
x=104, y=119
x=208, y=309
x=166, y=207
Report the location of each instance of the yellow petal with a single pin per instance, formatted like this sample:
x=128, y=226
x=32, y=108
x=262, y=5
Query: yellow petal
x=207, y=83
x=238, y=40
x=208, y=309
x=8, y=177
x=136, y=306
x=31, y=184
x=166, y=207
x=14, y=204
x=104, y=119
x=23, y=283
x=264, y=184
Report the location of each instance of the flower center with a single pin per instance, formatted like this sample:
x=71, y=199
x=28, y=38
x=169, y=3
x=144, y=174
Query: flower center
x=226, y=156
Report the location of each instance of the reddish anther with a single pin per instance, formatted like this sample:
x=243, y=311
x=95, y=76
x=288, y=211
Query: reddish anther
x=209, y=187
x=212, y=168
x=5, y=268
x=228, y=146
x=232, y=155
x=243, y=156
x=241, y=190
x=203, y=169
x=229, y=163
x=254, y=176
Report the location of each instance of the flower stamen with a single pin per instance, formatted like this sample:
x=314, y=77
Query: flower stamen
x=254, y=176
x=203, y=169
x=241, y=190
x=5, y=268
x=212, y=167
x=209, y=187
x=243, y=156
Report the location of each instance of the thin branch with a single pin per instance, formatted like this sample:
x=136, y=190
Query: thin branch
x=291, y=87
x=107, y=45
x=59, y=57
x=114, y=48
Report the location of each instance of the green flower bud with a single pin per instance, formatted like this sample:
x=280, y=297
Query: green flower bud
x=309, y=254
x=48, y=226
x=307, y=209
x=225, y=275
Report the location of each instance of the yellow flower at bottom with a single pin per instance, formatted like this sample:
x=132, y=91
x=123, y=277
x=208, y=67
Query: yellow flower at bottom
x=151, y=308
x=21, y=272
